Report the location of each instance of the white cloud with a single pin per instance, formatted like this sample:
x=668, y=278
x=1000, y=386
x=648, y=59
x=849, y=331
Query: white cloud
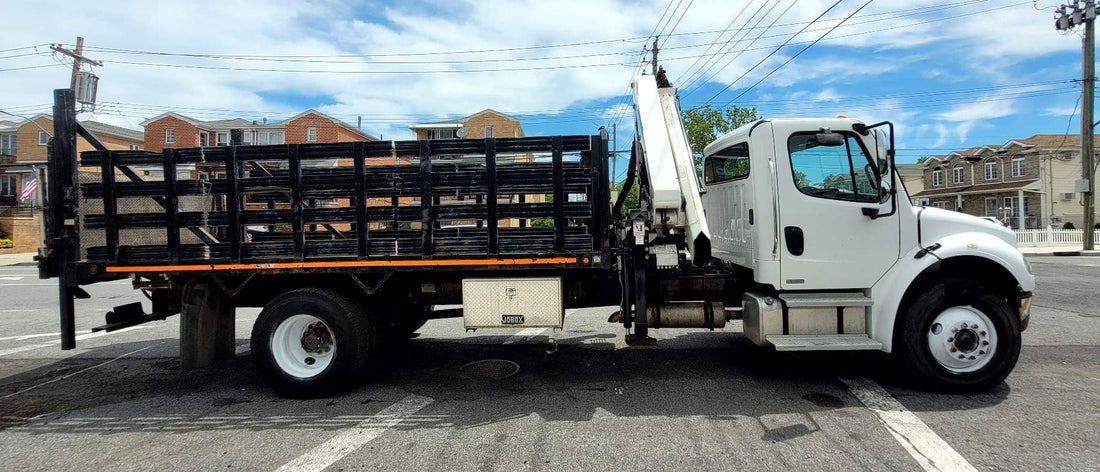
x=980, y=110
x=389, y=102
x=1059, y=111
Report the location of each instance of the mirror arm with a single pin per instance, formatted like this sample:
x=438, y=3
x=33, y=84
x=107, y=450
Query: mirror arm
x=890, y=155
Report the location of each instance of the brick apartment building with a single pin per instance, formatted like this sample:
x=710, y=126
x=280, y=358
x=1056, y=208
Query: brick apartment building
x=25, y=142
x=1026, y=183
x=487, y=123
x=173, y=130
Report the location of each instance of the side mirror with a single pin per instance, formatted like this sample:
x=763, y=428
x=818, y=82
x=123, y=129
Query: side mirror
x=829, y=139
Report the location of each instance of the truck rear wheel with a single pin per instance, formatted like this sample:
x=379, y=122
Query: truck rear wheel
x=312, y=342
x=959, y=336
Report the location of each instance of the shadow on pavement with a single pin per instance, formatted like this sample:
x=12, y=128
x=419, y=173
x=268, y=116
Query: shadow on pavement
x=736, y=381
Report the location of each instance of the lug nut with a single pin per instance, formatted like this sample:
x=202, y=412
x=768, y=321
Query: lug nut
x=952, y=348
x=985, y=343
x=972, y=358
x=981, y=333
x=962, y=356
x=973, y=326
x=950, y=340
x=981, y=352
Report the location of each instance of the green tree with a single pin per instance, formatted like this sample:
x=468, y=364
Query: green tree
x=922, y=159
x=631, y=198
x=704, y=124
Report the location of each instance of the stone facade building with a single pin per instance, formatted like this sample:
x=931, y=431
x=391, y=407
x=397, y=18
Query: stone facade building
x=1025, y=183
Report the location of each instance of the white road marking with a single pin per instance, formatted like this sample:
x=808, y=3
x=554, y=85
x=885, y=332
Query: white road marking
x=63, y=377
x=350, y=440
x=16, y=350
x=29, y=336
x=524, y=335
x=11, y=278
x=927, y=448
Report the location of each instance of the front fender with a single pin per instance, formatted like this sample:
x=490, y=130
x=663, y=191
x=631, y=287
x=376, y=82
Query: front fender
x=888, y=292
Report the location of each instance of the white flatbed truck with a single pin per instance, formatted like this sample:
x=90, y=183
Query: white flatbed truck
x=799, y=227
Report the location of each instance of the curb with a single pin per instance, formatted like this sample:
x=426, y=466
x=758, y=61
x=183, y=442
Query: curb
x=1077, y=253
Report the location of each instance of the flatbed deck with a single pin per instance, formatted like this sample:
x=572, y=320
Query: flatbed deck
x=540, y=201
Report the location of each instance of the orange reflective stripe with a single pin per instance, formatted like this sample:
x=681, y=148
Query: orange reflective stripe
x=342, y=264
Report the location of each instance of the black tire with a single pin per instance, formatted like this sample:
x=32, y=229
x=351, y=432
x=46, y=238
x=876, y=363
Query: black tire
x=916, y=322
x=353, y=332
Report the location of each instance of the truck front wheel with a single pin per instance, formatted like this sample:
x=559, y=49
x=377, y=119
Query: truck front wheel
x=959, y=336
x=312, y=342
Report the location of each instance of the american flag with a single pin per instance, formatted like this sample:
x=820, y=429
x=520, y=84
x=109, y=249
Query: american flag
x=30, y=187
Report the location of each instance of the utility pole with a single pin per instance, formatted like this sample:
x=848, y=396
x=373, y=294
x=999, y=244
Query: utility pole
x=654, y=55
x=1083, y=13
x=77, y=57
x=614, y=153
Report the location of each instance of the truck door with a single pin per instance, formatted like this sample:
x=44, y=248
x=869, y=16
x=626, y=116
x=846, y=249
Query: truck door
x=824, y=186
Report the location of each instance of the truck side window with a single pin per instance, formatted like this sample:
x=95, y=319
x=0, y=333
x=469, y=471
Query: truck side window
x=836, y=172
x=728, y=164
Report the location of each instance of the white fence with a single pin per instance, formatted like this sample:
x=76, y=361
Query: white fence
x=1052, y=237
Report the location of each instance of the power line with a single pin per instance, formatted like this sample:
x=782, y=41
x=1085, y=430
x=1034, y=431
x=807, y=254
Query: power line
x=716, y=39
x=766, y=57
x=365, y=72
x=30, y=67
x=673, y=30
x=708, y=64
x=795, y=56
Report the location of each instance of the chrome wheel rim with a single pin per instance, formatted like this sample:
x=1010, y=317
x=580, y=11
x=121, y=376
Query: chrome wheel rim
x=303, y=346
x=962, y=339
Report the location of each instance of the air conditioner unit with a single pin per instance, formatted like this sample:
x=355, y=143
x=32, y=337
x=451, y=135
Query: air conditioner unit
x=1069, y=196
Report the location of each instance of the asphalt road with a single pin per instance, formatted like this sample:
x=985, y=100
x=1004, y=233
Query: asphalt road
x=698, y=400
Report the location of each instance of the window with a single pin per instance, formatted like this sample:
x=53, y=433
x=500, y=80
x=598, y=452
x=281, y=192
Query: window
x=941, y=205
x=221, y=138
x=7, y=185
x=246, y=137
x=937, y=177
x=311, y=135
x=957, y=175
x=990, y=170
x=488, y=131
x=1012, y=206
x=169, y=136
x=441, y=134
x=991, y=206
x=836, y=172
x=8, y=144
x=204, y=138
x=728, y=164
x=1017, y=167
x=271, y=137
x=43, y=138
x=135, y=147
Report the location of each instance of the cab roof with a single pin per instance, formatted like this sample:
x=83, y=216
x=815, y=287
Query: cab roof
x=785, y=125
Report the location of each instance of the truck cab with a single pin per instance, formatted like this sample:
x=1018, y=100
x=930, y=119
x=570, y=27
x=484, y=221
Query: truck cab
x=841, y=259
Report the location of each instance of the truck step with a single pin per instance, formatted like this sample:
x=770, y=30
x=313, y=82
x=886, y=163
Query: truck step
x=808, y=300
x=823, y=342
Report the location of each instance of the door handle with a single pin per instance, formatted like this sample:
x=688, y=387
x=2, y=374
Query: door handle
x=796, y=241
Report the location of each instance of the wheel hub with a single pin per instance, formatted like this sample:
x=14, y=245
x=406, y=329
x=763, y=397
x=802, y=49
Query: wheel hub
x=962, y=339
x=317, y=339
x=303, y=345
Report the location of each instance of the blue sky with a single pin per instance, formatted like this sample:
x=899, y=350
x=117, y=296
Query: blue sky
x=952, y=74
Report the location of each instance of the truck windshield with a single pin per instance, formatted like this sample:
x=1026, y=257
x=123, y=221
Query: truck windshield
x=835, y=172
